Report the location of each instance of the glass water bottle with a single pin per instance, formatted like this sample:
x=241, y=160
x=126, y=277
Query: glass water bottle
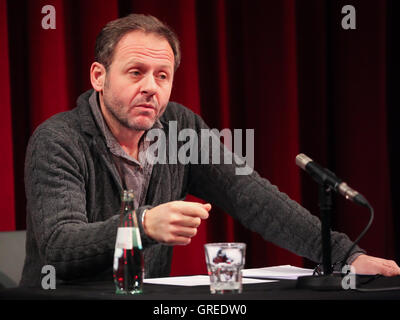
x=128, y=256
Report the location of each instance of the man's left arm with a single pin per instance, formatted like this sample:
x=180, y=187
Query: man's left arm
x=262, y=208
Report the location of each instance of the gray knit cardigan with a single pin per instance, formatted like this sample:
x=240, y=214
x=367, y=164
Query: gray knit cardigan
x=73, y=198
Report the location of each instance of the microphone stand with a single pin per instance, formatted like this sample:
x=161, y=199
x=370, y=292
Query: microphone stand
x=328, y=280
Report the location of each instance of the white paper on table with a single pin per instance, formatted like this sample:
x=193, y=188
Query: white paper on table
x=278, y=272
x=198, y=280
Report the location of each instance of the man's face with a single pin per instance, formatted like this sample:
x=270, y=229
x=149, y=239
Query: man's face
x=139, y=80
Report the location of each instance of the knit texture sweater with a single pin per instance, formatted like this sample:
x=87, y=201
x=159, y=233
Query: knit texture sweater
x=73, y=199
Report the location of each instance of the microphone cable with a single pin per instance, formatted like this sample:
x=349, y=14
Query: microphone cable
x=362, y=234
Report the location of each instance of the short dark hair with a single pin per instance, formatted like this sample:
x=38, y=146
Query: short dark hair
x=113, y=31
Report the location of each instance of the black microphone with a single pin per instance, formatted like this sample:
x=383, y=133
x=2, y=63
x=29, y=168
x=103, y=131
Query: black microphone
x=325, y=177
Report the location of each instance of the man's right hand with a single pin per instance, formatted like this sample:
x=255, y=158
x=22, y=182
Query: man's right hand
x=175, y=222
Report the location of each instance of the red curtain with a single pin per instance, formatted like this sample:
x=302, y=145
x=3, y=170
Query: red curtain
x=7, y=207
x=286, y=69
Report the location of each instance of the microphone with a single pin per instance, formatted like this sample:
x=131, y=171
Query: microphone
x=325, y=177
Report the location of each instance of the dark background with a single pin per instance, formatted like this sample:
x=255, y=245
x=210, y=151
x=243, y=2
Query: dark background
x=286, y=69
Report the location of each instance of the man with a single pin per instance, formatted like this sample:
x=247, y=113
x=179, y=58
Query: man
x=78, y=162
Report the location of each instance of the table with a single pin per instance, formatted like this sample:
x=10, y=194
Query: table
x=255, y=297
x=279, y=290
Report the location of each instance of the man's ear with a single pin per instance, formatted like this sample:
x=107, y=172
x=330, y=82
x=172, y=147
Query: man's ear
x=97, y=76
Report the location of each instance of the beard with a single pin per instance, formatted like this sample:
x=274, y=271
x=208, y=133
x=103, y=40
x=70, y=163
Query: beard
x=122, y=113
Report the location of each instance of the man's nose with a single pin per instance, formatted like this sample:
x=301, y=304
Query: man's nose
x=148, y=85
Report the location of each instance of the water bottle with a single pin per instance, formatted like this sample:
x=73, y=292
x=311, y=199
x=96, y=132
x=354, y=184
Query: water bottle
x=128, y=267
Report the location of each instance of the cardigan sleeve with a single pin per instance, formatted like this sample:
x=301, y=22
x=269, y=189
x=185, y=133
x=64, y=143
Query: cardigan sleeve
x=56, y=202
x=260, y=206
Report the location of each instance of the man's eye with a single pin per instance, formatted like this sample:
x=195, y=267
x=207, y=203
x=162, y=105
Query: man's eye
x=162, y=76
x=135, y=73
